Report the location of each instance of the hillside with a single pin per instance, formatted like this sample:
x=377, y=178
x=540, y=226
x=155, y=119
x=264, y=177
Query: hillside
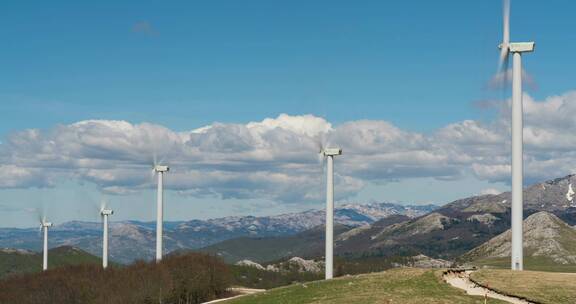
x=547, y=240
x=457, y=227
x=304, y=244
x=132, y=240
x=407, y=286
x=445, y=233
x=14, y=261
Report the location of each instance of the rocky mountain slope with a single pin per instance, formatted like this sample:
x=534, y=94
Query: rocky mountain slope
x=131, y=240
x=309, y=243
x=460, y=226
x=447, y=232
x=552, y=196
x=545, y=235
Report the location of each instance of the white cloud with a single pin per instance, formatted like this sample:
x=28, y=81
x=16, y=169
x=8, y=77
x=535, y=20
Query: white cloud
x=277, y=158
x=16, y=177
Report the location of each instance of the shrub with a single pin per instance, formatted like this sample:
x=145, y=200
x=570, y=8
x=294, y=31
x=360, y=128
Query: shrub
x=187, y=279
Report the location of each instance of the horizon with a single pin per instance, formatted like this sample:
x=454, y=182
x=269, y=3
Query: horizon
x=338, y=206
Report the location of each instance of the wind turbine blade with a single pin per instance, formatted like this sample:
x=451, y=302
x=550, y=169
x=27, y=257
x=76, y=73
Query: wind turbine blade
x=103, y=204
x=504, y=46
x=39, y=215
x=500, y=80
x=152, y=174
x=503, y=60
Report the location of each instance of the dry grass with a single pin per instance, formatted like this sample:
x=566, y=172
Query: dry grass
x=542, y=287
x=407, y=286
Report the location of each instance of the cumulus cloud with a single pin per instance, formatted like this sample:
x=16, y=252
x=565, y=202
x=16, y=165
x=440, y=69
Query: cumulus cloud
x=277, y=158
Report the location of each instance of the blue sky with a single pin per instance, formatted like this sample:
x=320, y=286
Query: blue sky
x=419, y=65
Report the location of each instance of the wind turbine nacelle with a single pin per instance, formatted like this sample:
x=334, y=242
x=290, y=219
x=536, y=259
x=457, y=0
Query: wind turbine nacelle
x=521, y=47
x=332, y=151
x=47, y=224
x=107, y=212
x=159, y=168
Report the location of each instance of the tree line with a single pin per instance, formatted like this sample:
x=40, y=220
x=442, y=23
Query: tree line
x=180, y=279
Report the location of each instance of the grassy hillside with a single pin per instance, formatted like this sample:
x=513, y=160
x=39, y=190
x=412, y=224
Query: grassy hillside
x=541, y=287
x=22, y=261
x=406, y=285
x=530, y=263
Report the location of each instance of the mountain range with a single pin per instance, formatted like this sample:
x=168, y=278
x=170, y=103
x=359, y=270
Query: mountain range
x=472, y=228
x=447, y=232
x=132, y=240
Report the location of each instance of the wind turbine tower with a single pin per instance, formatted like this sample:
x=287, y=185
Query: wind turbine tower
x=516, y=49
x=105, y=213
x=44, y=226
x=160, y=170
x=329, y=153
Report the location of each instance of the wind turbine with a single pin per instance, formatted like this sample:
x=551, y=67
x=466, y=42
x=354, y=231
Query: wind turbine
x=105, y=213
x=329, y=154
x=159, y=170
x=516, y=49
x=44, y=225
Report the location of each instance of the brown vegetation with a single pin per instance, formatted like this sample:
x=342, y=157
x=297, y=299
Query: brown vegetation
x=185, y=279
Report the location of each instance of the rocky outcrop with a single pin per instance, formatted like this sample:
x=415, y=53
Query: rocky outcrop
x=294, y=264
x=423, y=261
x=249, y=263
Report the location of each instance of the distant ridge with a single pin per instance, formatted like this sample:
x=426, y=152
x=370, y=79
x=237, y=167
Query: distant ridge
x=132, y=240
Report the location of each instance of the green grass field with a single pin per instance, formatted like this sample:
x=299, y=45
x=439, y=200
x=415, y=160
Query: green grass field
x=537, y=286
x=530, y=263
x=406, y=285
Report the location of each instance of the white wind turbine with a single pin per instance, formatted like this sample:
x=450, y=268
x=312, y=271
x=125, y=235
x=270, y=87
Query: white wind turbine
x=104, y=212
x=44, y=225
x=160, y=170
x=329, y=154
x=516, y=49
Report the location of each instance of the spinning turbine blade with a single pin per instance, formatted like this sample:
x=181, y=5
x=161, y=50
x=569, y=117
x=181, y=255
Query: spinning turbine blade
x=504, y=47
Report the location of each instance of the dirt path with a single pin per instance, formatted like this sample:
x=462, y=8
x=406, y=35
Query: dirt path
x=240, y=292
x=462, y=281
